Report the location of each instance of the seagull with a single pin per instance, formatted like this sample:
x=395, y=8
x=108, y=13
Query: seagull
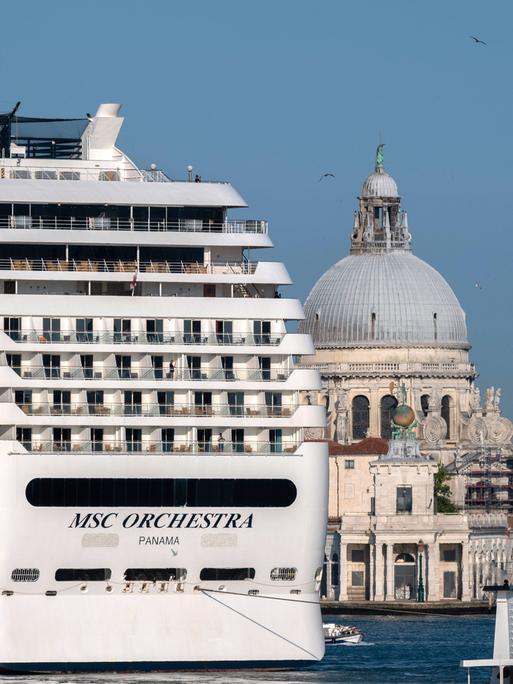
x=478, y=40
x=478, y=285
x=326, y=175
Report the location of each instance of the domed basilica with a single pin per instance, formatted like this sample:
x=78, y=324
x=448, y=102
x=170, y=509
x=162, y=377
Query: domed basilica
x=381, y=317
x=392, y=348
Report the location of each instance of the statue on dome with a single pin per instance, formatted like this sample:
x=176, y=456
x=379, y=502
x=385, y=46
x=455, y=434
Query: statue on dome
x=497, y=399
x=490, y=396
x=380, y=156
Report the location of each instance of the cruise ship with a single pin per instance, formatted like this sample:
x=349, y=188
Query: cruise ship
x=160, y=504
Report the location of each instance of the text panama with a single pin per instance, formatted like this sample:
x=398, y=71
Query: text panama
x=160, y=521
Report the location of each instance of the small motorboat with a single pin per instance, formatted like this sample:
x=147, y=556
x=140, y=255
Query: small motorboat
x=341, y=634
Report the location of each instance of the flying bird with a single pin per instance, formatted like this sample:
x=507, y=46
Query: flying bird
x=478, y=40
x=326, y=175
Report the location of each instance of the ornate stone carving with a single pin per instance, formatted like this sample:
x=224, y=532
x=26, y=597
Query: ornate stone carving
x=500, y=430
x=477, y=431
x=435, y=400
x=434, y=429
x=475, y=399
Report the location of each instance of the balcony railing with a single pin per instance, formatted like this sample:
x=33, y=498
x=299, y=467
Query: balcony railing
x=150, y=373
x=160, y=447
x=119, y=266
x=118, y=224
x=174, y=337
x=150, y=410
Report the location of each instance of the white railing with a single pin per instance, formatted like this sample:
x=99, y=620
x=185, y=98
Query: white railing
x=173, y=337
x=150, y=373
x=160, y=447
x=68, y=173
x=150, y=410
x=122, y=224
x=121, y=266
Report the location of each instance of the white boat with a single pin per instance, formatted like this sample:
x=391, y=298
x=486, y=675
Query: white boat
x=341, y=634
x=159, y=505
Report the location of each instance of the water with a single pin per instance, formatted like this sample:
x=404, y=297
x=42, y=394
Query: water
x=395, y=650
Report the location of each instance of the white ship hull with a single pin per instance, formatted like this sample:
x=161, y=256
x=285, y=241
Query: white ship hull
x=143, y=625
x=155, y=633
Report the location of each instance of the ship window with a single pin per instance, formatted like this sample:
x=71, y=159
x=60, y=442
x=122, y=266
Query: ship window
x=25, y=575
x=159, y=492
x=12, y=327
x=226, y=574
x=284, y=574
x=82, y=574
x=155, y=574
x=24, y=435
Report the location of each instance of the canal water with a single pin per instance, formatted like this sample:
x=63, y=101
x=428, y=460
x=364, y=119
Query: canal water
x=395, y=650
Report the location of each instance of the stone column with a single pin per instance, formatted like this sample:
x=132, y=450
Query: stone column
x=432, y=573
x=390, y=596
x=374, y=413
x=465, y=571
x=343, y=572
x=372, y=550
x=379, y=573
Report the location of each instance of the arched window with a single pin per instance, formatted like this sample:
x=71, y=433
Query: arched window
x=335, y=570
x=387, y=406
x=360, y=410
x=424, y=403
x=446, y=413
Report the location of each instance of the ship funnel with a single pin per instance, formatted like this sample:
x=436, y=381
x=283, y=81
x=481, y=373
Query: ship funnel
x=108, y=109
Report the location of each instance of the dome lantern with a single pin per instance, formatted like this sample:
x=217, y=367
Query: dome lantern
x=382, y=225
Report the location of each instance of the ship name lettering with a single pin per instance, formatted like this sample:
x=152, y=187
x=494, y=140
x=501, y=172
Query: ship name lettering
x=92, y=520
x=185, y=520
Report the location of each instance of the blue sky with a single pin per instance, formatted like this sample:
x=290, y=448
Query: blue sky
x=271, y=94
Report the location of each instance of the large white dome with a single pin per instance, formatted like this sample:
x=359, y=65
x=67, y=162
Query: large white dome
x=387, y=299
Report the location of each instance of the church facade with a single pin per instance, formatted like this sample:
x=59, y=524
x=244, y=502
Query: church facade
x=383, y=319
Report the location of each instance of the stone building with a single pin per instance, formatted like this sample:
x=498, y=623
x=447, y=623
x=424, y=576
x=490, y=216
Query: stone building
x=381, y=318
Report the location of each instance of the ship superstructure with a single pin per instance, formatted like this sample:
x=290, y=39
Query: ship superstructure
x=157, y=494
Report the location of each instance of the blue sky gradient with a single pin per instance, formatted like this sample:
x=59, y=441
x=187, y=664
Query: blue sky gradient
x=269, y=95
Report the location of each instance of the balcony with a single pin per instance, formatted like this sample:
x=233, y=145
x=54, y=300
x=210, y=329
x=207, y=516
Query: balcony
x=129, y=267
x=155, y=338
x=149, y=410
x=150, y=373
x=158, y=447
x=105, y=224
